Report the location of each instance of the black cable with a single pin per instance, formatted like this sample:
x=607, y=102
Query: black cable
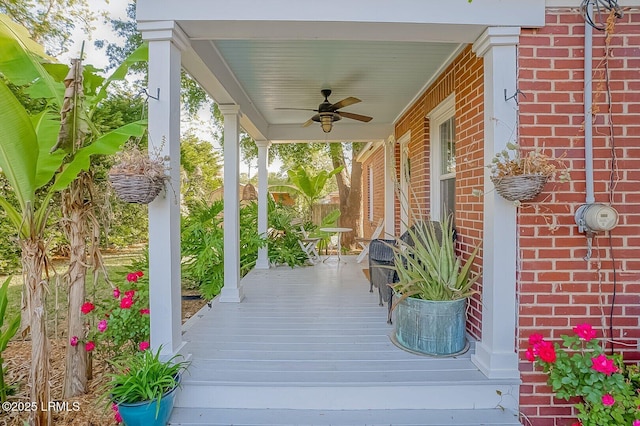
x=589, y=8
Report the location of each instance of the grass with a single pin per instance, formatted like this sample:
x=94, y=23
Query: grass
x=117, y=265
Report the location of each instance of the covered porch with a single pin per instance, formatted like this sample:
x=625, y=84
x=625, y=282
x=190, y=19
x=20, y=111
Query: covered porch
x=311, y=346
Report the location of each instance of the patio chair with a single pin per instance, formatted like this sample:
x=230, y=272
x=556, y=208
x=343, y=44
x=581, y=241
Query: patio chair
x=307, y=244
x=382, y=261
x=364, y=242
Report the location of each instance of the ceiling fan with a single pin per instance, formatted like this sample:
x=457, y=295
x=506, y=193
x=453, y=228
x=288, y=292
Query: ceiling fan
x=327, y=112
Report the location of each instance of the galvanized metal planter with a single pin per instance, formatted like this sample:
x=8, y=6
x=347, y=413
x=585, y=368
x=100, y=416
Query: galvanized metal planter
x=429, y=327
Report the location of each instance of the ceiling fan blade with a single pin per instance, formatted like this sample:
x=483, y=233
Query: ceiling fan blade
x=353, y=116
x=307, y=123
x=345, y=102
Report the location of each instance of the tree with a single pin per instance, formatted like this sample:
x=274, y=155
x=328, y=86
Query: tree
x=201, y=166
x=36, y=174
x=50, y=22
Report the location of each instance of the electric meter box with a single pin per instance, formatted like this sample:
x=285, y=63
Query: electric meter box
x=596, y=218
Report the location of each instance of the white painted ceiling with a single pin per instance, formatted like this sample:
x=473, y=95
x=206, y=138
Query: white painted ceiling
x=385, y=76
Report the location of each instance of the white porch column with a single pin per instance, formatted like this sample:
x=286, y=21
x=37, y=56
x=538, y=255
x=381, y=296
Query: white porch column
x=389, y=187
x=232, y=290
x=496, y=354
x=165, y=45
x=263, y=188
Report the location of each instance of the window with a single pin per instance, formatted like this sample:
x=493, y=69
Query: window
x=443, y=159
x=370, y=193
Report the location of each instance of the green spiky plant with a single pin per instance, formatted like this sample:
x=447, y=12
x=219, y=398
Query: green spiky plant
x=428, y=267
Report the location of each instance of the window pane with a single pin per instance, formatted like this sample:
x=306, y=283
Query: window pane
x=448, y=196
x=447, y=147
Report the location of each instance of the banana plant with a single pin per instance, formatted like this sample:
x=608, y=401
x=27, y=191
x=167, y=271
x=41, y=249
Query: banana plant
x=7, y=334
x=309, y=186
x=36, y=170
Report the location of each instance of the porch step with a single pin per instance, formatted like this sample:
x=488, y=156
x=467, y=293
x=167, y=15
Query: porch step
x=245, y=417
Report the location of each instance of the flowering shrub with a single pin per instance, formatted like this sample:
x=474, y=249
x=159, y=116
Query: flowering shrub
x=579, y=368
x=120, y=323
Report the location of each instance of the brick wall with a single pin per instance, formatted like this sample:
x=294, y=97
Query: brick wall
x=557, y=288
x=464, y=78
x=376, y=162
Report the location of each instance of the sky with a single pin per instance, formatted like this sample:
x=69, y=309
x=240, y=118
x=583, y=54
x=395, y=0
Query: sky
x=96, y=57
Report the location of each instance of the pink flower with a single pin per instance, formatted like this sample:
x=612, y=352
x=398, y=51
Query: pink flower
x=576, y=424
x=102, y=326
x=116, y=292
x=547, y=352
x=87, y=307
x=608, y=400
x=129, y=293
x=636, y=423
x=139, y=274
x=529, y=354
x=144, y=346
x=114, y=407
x=126, y=302
x=585, y=332
x=89, y=346
x=132, y=277
x=144, y=311
x=117, y=417
x=603, y=365
x=73, y=341
x=536, y=338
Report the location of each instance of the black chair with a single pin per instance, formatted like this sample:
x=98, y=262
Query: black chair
x=382, y=273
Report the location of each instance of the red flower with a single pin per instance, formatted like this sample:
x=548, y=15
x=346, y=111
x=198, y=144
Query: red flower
x=529, y=354
x=87, y=307
x=73, y=341
x=132, y=277
x=608, y=400
x=585, y=332
x=576, y=424
x=130, y=293
x=536, y=338
x=604, y=365
x=89, y=346
x=116, y=292
x=547, y=352
x=144, y=311
x=144, y=346
x=126, y=302
x=139, y=274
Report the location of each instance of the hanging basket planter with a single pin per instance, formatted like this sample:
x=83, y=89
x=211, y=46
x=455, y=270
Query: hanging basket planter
x=137, y=178
x=520, y=187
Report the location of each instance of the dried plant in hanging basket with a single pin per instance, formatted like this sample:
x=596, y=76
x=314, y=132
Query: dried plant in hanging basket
x=137, y=177
x=519, y=177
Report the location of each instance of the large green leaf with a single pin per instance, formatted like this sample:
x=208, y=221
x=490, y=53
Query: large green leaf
x=141, y=54
x=18, y=146
x=107, y=144
x=21, y=62
x=47, y=125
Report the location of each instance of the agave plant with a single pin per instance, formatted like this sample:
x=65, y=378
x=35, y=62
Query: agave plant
x=428, y=267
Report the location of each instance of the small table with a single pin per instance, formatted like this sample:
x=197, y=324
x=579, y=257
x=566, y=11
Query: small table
x=339, y=232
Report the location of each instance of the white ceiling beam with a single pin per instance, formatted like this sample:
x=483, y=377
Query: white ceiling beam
x=485, y=12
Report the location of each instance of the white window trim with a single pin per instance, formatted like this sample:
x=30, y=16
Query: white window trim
x=371, y=181
x=403, y=142
x=437, y=116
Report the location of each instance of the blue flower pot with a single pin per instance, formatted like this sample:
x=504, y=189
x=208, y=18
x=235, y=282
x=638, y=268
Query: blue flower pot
x=144, y=413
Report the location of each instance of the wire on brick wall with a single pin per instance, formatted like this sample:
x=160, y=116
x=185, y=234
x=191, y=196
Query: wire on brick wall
x=599, y=8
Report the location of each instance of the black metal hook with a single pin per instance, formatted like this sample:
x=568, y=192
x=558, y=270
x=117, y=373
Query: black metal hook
x=514, y=96
x=157, y=97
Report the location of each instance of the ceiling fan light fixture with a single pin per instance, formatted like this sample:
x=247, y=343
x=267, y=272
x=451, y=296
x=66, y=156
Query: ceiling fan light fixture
x=326, y=122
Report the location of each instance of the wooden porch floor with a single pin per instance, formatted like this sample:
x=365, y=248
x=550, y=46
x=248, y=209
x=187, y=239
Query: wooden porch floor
x=311, y=346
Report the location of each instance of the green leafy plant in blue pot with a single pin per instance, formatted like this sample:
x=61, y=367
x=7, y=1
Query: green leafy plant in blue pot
x=143, y=387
